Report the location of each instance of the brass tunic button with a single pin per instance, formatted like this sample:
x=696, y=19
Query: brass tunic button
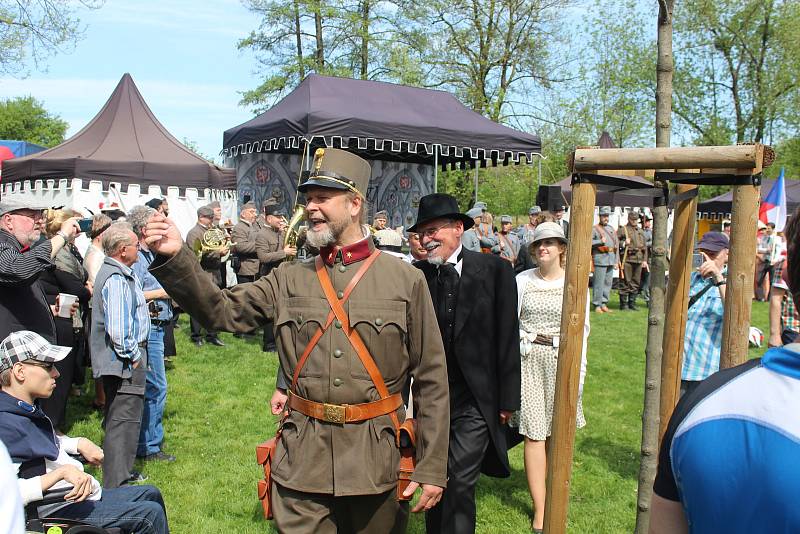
x=340, y=294
x=342, y=268
x=378, y=321
x=337, y=382
x=337, y=353
x=337, y=323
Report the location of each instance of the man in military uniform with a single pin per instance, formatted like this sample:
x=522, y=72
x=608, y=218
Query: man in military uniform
x=633, y=251
x=335, y=467
x=270, y=253
x=210, y=263
x=605, y=247
x=473, y=238
x=380, y=220
x=525, y=232
x=507, y=243
x=243, y=236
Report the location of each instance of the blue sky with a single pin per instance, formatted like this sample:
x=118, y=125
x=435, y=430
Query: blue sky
x=182, y=55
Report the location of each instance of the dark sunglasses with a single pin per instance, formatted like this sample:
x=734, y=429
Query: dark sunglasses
x=46, y=366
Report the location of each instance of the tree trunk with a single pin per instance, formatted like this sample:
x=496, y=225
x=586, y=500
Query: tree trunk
x=320, y=53
x=364, y=39
x=301, y=67
x=655, y=322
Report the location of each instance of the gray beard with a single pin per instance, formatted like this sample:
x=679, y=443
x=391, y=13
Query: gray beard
x=322, y=239
x=435, y=260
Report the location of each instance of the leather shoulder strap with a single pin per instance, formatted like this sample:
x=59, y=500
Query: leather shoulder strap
x=319, y=265
x=352, y=334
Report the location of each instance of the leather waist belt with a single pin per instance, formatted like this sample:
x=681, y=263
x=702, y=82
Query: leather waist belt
x=550, y=341
x=159, y=322
x=344, y=413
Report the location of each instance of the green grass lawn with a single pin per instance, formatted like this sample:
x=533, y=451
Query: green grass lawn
x=217, y=411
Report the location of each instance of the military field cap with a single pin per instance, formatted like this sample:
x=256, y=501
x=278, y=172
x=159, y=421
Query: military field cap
x=205, y=211
x=9, y=204
x=271, y=207
x=474, y=212
x=633, y=215
x=248, y=206
x=440, y=206
x=213, y=204
x=383, y=214
x=338, y=169
x=481, y=205
x=534, y=210
x=547, y=230
x=605, y=210
x=506, y=219
x=26, y=345
x=713, y=242
x=388, y=238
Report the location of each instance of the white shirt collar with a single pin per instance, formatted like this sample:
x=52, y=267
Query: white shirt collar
x=455, y=260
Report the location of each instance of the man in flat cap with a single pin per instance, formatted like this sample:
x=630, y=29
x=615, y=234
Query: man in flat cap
x=475, y=298
x=23, y=305
x=210, y=263
x=335, y=466
x=380, y=220
x=605, y=247
x=633, y=250
x=507, y=242
x=525, y=232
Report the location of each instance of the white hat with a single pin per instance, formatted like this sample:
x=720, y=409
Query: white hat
x=14, y=203
x=548, y=230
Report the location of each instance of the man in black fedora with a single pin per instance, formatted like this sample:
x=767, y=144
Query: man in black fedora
x=475, y=299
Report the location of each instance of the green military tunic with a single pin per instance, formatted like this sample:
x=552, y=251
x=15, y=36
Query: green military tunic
x=632, y=240
x=397, y=322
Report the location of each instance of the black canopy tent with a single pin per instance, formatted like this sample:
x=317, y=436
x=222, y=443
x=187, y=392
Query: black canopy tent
x=123, y=143
x=381, y=121
x=722, y=204
x=621, y=191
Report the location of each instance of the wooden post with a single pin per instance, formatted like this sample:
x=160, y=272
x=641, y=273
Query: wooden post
x=573, y=317
x=741, y=265
x=680, y=270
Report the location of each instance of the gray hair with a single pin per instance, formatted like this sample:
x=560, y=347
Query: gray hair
x=138, y=217
x=117, y=235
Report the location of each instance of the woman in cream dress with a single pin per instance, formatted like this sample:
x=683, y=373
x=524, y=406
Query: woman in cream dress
x=540, y=295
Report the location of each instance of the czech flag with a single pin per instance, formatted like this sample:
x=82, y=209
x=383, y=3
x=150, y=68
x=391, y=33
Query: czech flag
x=773, y=207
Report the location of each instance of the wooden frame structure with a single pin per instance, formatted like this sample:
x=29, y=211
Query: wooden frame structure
x=740, y=166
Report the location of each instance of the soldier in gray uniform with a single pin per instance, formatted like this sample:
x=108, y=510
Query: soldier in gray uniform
x=508, y=243
x=525, y=232
x=472, y=239
x=605, y=247
x=647, y=228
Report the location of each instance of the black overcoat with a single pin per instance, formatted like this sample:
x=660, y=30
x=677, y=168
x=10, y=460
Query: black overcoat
x=486, y=343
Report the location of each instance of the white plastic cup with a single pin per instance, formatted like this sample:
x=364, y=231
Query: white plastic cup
x=65, y=302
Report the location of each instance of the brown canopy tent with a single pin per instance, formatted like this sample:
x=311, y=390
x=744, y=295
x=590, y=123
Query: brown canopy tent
x=123, y=143
x=630, y=192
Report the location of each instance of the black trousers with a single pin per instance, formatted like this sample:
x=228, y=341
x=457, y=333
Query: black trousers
x=123, y=418
x=197, y=331
x=469, y=439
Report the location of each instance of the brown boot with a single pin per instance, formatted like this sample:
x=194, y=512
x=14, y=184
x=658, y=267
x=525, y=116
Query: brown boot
x=599, y=309
x=606, y=309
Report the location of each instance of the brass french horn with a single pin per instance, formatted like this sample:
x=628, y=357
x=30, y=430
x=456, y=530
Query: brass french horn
x=214, y=239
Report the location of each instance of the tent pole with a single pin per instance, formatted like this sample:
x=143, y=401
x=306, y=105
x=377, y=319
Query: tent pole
x=476, y=179
x=435, y=169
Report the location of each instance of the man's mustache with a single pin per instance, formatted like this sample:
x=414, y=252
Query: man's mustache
x=432, y=245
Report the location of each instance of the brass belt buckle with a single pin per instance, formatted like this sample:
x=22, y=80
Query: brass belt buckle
x=333, y=413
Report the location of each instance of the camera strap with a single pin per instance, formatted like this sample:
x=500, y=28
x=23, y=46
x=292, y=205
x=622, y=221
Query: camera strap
x=694, y=298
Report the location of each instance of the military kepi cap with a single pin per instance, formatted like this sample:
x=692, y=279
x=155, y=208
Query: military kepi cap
x=25, y=345
x=605, y=210
x=338, y=169
x=205, y=211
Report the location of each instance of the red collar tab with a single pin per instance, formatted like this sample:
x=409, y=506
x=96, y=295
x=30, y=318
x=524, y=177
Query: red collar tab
x=358, y=251
x=26, y=248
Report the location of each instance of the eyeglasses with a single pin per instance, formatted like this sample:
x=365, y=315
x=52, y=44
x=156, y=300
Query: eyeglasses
x=31, y=214
x=430, y=232
x=137, y=245
x=46, y=366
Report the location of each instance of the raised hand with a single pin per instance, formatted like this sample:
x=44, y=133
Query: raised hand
x=162, y=235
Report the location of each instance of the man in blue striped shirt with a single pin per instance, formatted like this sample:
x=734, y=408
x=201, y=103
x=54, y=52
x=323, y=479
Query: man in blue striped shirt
x=120, y=328
x=703, y=340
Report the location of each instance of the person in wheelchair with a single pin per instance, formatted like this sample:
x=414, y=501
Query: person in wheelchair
x=42, y=458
